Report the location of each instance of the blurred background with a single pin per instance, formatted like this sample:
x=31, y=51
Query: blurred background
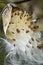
x=35, y=5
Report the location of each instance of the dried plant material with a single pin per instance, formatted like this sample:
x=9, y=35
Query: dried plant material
x=23, y=32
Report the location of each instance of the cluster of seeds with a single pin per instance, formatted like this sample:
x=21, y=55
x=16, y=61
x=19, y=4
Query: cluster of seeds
x=21, y=25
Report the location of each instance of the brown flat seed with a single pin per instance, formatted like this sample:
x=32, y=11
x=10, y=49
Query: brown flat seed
x=40, y=47
x=35, y=22
x=29, y=42
x=18, y=31
x=25, y=22
x=38, y=18
x=27, y=31
x=13, y=39
x=13, y=32
x=29, y=26
x=35, y=27
x=11, y=23
x=15, y=13
x=31, y=23
x=20, y=17
x=8, y=26
x=32, y=39
x=14, y=44
x=27, y=19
